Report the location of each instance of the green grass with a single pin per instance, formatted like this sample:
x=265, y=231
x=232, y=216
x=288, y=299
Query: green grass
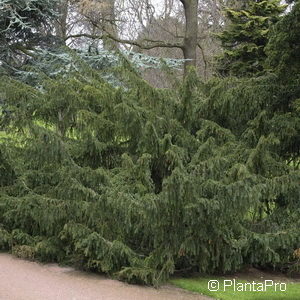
x=200, y=285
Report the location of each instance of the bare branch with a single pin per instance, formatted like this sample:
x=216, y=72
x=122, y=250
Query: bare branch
x=146, y=44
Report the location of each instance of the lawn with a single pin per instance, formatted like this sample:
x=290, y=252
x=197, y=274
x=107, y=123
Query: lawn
x=244, y=289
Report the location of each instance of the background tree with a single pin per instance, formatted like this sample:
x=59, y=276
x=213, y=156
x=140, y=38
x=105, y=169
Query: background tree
x=102, y=16
x=283, y=49
x=187, y=43
x=246, y=37
x=23, y=26
x=61, y=21
x=189, y=46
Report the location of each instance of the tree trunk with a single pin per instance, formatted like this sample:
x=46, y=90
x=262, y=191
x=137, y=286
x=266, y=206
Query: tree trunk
x=109, y=24
x=191, y=33
x=61, y=23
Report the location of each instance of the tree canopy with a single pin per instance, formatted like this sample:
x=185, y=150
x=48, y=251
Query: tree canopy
x=119, y=177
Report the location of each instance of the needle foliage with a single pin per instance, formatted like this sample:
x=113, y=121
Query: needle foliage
x=138, y=182
x=246, y=36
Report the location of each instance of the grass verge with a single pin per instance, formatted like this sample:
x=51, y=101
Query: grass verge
x=242, y=290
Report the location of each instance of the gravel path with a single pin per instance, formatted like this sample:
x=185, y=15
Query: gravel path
x=24, y=280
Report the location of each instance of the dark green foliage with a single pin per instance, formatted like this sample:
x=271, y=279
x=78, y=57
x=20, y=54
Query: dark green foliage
x=5, y=238
x=137, y=182
x=254, y=107
x=283, y=48
x=246, y=36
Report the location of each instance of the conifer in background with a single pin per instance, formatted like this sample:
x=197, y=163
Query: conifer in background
x=246, y=36
x=24, y=24
x=283, y=49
